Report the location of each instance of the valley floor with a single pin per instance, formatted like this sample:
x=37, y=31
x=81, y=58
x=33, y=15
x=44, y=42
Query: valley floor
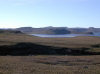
x=50, y=64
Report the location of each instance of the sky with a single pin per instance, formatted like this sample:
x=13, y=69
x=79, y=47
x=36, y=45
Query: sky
x=43, y=13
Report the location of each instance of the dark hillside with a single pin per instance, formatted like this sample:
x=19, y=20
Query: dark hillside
x=35, y=49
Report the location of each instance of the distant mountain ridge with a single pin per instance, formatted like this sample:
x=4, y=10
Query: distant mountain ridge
x=52, y=30
x=46, y=30
x=58, y=30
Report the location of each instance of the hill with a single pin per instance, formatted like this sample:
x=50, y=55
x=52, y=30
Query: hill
x=2, y=31
x=44, y=30
x=57, y=30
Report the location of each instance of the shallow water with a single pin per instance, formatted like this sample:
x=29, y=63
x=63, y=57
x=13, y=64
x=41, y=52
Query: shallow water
x=64, y=35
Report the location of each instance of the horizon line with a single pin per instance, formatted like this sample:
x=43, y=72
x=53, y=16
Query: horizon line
x=44, y=27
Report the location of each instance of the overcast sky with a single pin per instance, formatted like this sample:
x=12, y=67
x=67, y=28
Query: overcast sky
x=42, y=13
